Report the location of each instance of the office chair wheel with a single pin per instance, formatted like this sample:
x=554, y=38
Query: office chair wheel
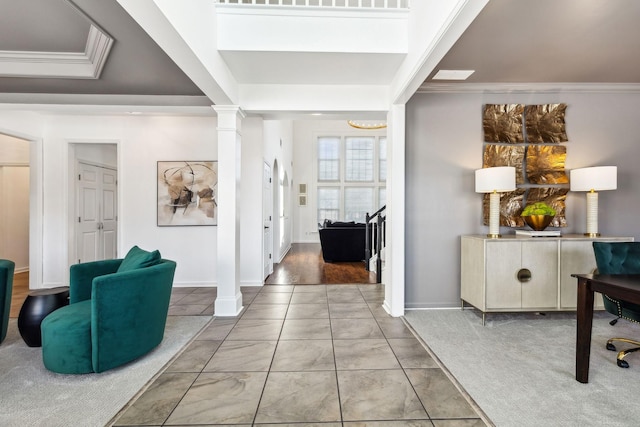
x=613, y=322
x=622, y=363
x=611, y=347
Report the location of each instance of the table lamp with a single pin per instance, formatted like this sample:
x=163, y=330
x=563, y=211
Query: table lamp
x=594, y=179
x=495, y=180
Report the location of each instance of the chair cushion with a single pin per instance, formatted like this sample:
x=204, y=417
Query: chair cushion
x=139, y=258
x=66, y=339
x=617, y=257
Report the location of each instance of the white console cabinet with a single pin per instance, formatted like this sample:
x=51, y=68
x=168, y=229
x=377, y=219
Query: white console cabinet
x=521, y=273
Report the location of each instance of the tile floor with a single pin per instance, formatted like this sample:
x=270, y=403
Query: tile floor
x=304, y=355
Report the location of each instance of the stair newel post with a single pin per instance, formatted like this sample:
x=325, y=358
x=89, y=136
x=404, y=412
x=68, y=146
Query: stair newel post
x=367, y=242
x=378, y=248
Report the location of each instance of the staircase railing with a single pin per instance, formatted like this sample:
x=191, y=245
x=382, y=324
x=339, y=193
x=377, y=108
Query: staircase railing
x=375, y=240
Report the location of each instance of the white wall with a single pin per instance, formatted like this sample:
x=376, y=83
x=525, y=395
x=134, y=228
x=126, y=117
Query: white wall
x=305, y=134
x=102, y=154
x=142, y=141
x=251, y=202
x=278, y=147
x=444, y=146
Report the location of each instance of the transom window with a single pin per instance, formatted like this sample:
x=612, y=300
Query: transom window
x=351, y=177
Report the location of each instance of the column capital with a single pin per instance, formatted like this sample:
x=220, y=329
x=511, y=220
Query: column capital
x=229, y=117
x=229, y=109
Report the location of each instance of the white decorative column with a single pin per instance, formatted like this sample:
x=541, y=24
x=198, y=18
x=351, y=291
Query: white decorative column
x=393, y=274
x=229, y=299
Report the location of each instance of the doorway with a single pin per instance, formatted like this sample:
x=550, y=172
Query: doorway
x=95, y=203
x=267, y=215
x=14, y=193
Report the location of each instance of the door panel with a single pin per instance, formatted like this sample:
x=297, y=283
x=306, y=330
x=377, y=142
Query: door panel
x=88, y=220
x=108, y=214
x=97, y=213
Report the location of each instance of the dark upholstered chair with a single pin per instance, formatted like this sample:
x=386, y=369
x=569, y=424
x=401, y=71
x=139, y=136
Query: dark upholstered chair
x=117, y=312
x=619, y=258
x=6, y=287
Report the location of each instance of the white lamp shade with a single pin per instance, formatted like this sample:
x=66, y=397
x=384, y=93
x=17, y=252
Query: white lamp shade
x=499, y=179
x=596, y=178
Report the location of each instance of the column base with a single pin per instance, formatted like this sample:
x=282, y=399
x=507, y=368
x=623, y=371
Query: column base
x=228, y=306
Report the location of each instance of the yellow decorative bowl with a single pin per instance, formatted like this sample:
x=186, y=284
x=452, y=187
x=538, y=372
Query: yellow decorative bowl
x=538, y=222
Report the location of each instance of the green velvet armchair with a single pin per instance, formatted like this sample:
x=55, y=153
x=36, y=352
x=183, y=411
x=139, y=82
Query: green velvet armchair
x=117, y=312
x=619, y=258
x=6, y=287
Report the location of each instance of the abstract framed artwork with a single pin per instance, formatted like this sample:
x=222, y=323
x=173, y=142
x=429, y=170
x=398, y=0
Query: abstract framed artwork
x=535, y=151
x=187, y=193
x=503, y=123
x=545, y=123
x=545, y=164
x=505, y=155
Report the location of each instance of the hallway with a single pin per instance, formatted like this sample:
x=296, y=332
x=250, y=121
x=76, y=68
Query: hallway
x=303, y=265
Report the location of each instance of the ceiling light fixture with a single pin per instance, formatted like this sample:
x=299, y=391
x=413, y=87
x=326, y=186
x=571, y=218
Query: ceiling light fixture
x=453, y=74
x=366, y=125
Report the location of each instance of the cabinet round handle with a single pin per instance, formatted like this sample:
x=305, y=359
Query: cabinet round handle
x=524, y=275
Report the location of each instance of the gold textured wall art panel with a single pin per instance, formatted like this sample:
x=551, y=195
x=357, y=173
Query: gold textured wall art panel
x=554, y=197
x=510, y=208
x=545, y=123
x=503, y=123
x=545, y=164
x=505, y=155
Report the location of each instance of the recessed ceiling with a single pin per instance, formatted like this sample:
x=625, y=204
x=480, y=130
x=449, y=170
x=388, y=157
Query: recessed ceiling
x=136, y=65
x=42, y=26
x=550, y=41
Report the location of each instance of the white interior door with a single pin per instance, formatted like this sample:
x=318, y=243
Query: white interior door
x=97, y=218
x=267, y=215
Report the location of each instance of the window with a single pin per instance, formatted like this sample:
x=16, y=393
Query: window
x=359, y=159
x=357, y=202
x=328, y=204
x=382, y=162
x=328, y=159
x=351, y=177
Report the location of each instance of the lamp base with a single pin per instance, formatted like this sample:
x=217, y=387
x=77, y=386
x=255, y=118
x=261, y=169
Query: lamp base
x=494, y=236
x=592, y=234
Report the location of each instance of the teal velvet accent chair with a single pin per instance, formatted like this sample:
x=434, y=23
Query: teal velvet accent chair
x=619, y=258
x=117, y=313
x=7, y=269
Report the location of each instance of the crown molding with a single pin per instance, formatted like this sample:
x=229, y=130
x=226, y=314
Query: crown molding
x=108, y=104
x=529, y=88
x=70, y=65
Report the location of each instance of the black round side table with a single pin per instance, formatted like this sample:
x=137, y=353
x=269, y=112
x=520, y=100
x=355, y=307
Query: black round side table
x=36, y=307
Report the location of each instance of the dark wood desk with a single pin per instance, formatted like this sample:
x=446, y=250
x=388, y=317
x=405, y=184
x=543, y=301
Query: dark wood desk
x=626, y=287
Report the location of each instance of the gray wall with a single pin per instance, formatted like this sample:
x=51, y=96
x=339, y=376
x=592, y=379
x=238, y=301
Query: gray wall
x=444, y=147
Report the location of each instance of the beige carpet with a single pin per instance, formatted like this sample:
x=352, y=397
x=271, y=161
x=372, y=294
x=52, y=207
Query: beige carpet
x=520, y=368
x=30, y=395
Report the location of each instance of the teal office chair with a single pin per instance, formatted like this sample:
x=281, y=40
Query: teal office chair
x=6, y=287
x=619, y=258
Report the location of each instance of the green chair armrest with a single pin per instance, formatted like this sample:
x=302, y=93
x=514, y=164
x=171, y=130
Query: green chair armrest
x=129, y=312
x=81, y=277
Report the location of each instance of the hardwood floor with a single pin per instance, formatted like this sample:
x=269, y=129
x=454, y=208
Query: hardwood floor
x=19, y=292
x=303, y=265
